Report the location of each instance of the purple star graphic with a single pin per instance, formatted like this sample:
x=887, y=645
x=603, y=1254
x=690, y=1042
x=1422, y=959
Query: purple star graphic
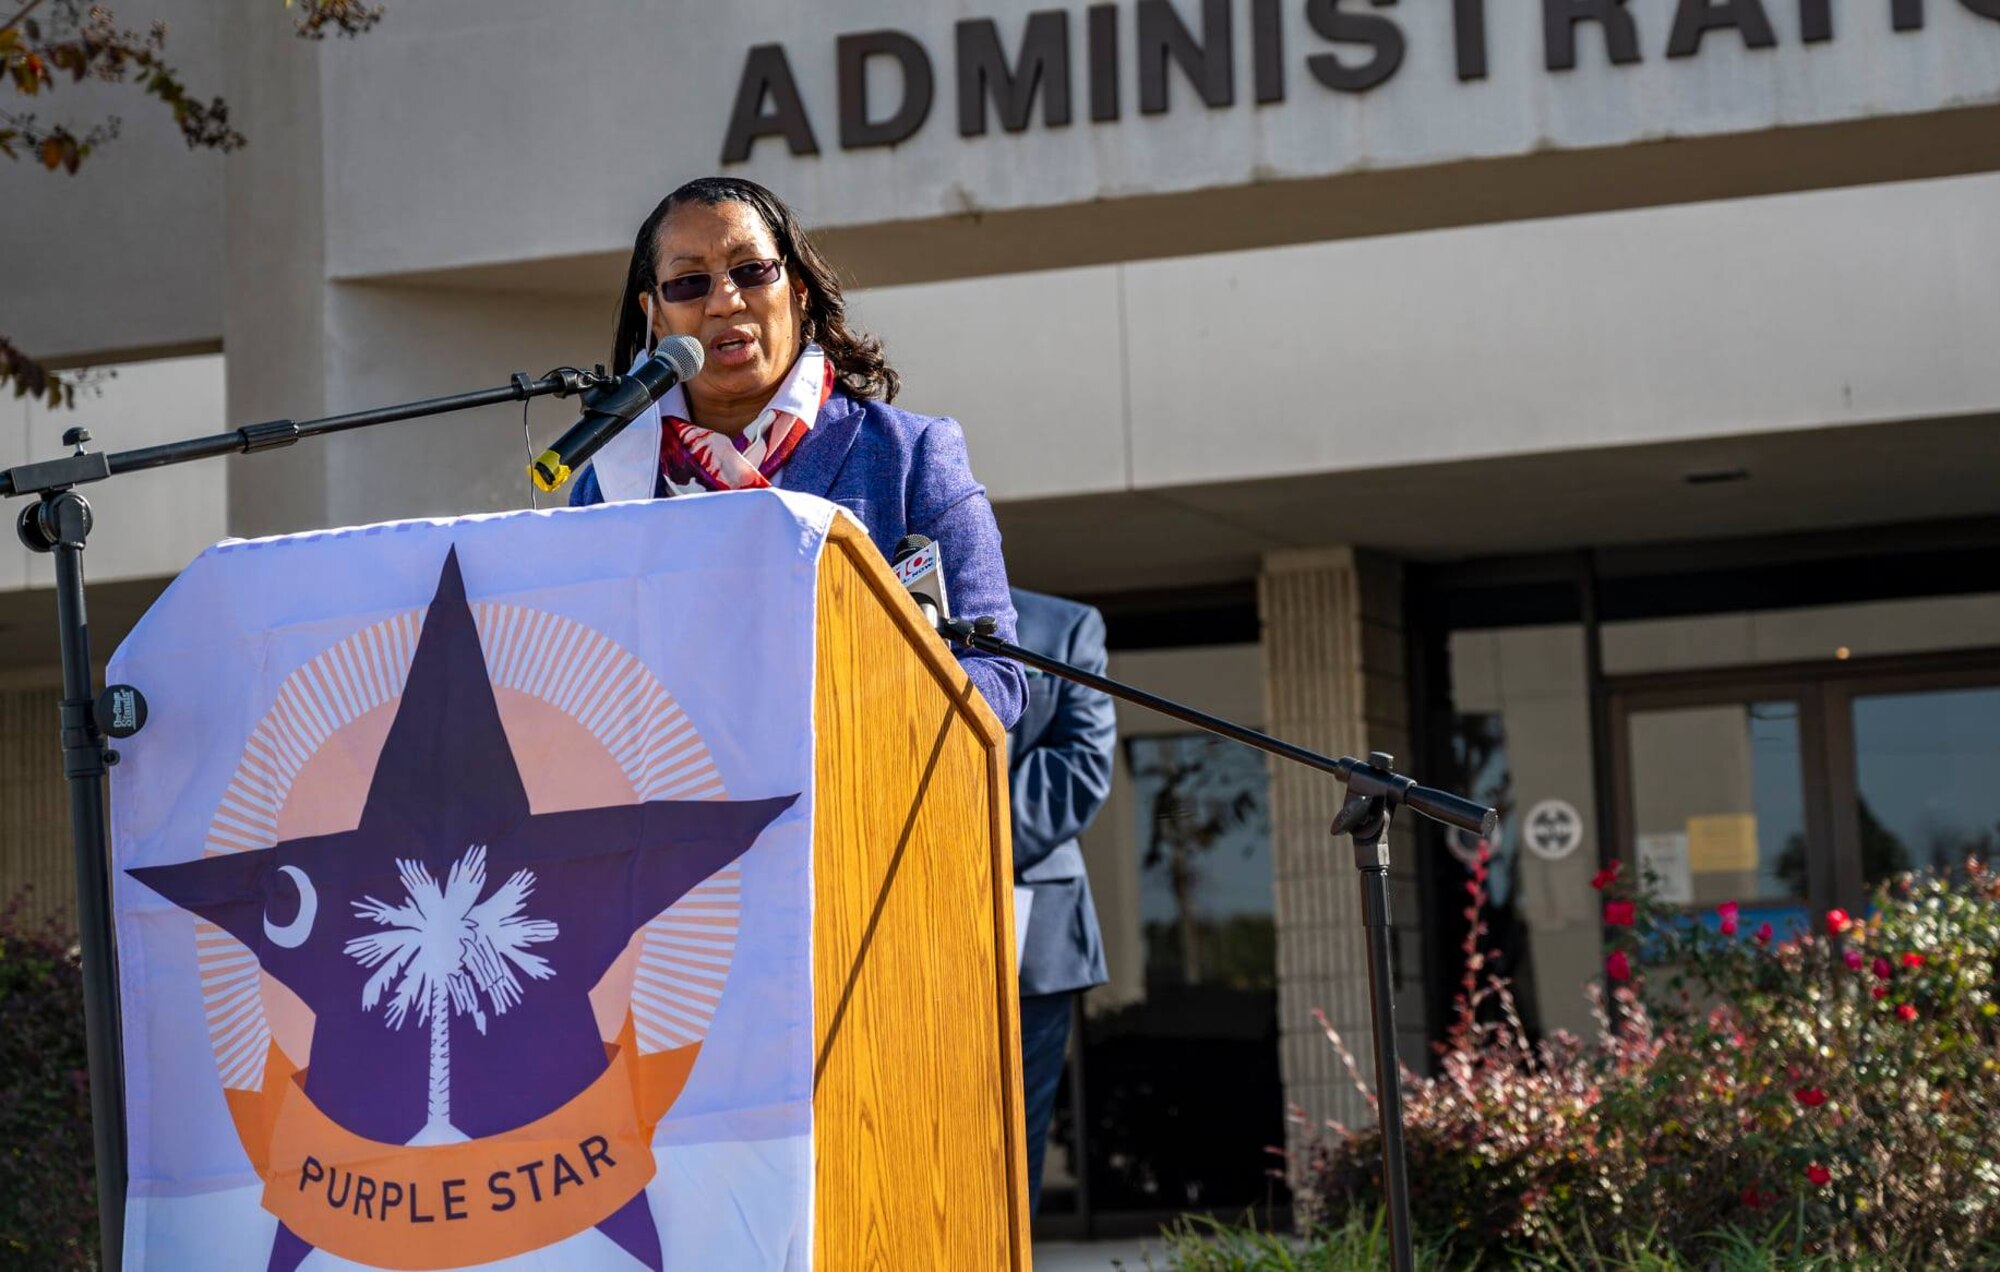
x=446, y=783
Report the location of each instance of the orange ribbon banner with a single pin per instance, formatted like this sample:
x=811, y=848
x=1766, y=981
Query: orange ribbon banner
x=454, y=1205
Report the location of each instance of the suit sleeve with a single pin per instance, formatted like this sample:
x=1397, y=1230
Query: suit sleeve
x=1065, y=778
x=949, y=505
x=584, y=490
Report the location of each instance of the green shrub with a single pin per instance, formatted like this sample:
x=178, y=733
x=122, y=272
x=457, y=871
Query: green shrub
x=1197, y=1244
x=48, y=1190
x=1359, y=1245
x=1843, y=1089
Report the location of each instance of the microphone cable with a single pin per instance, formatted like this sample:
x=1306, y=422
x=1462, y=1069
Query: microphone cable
x=528, y=446
x=528, y=441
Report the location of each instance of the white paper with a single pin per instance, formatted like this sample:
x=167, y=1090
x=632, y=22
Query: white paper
x=1024, y=904
x=1665, y=858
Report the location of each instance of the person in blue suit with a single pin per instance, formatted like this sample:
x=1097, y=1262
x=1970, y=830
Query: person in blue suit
x=790, y=396
x=1059, y=762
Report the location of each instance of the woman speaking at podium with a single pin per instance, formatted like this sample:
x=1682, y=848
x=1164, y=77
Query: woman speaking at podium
x=790, y=396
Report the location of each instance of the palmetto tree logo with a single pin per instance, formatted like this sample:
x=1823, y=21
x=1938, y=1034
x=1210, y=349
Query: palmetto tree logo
x=446, y=948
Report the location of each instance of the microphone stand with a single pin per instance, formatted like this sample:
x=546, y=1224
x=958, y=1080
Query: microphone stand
x=59, y=523
x=1374, y=792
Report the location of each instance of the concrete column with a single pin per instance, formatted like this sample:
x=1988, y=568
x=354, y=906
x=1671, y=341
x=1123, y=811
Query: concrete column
x=1333, y=681
x=274, y=329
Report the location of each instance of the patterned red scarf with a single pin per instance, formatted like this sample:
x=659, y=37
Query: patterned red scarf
x=695, y=459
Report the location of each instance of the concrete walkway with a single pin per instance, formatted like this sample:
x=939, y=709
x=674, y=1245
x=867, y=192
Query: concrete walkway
x=1097, y=1256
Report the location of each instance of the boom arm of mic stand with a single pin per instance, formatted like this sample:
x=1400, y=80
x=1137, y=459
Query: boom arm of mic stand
x=1362, y=778
x=91, y=466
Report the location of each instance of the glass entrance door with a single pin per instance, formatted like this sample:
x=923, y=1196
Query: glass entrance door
x=1718, y=807
x=1792, y=791
x=1926, y=777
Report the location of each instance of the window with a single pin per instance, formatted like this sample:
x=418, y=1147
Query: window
x=1205, y=863
x=1182, y=1093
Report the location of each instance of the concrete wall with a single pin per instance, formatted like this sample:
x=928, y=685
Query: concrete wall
x=1672, y=324
x=1666, y=324
x=392, y=344
x=1809, y=633
x=147, y=524
x=37, y=861
x=474, y=131
x=274, y=294
x=499, y=134
x=456, y=135
x=126, y=254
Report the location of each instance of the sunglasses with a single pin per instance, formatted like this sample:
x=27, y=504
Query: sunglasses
x=678, y=291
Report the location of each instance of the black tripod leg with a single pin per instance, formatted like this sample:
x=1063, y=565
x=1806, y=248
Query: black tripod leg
x=62, y=524
x=1371, y=859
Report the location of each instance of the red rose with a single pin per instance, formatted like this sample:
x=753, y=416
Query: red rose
x=1819, y=1174
x=1811, y=1097
x=1620, y=913
x=1618, y=967
x=1913, y=960
x=1607, y=876
x=1882, y=969
x=1853, y=960
x=1727, y=913
x=1906, y=1013
x=1837, y=922
x=1764, y=934
x=1880, y=992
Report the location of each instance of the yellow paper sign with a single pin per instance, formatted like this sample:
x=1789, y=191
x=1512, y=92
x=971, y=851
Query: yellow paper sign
x=1722, y=843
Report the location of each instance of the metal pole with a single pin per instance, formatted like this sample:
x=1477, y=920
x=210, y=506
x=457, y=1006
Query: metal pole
x=1454, y=810
x=63, y=523
x=1371, y=858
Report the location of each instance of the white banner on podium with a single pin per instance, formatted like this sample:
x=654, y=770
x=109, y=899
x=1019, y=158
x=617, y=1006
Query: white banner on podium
x=463, y=891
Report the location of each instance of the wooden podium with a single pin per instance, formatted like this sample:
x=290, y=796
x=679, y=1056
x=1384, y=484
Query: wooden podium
x=917, y=1067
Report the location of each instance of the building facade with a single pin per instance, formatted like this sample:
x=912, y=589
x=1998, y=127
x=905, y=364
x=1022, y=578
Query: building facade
x=1591, y=402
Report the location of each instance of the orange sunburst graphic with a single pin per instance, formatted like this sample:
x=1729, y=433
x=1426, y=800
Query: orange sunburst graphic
x=305, y=767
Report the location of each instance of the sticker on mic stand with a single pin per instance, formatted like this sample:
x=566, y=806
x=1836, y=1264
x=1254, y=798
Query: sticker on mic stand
x=917, y=564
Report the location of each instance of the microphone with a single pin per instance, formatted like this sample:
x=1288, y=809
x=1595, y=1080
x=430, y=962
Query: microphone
x=919, y=567
x=608, y=410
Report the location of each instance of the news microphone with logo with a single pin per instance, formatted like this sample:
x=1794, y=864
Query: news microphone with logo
x=607, y=410
x=919, y=567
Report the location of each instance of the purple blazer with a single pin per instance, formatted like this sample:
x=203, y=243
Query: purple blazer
x=903, y=474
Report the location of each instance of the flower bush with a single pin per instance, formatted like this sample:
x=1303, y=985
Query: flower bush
x=1843, y=1087
x=48, y=1193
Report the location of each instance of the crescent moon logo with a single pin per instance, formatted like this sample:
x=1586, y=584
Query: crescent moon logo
x=294, y=934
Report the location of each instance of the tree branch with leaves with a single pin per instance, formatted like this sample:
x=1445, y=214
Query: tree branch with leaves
x=47, y=45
